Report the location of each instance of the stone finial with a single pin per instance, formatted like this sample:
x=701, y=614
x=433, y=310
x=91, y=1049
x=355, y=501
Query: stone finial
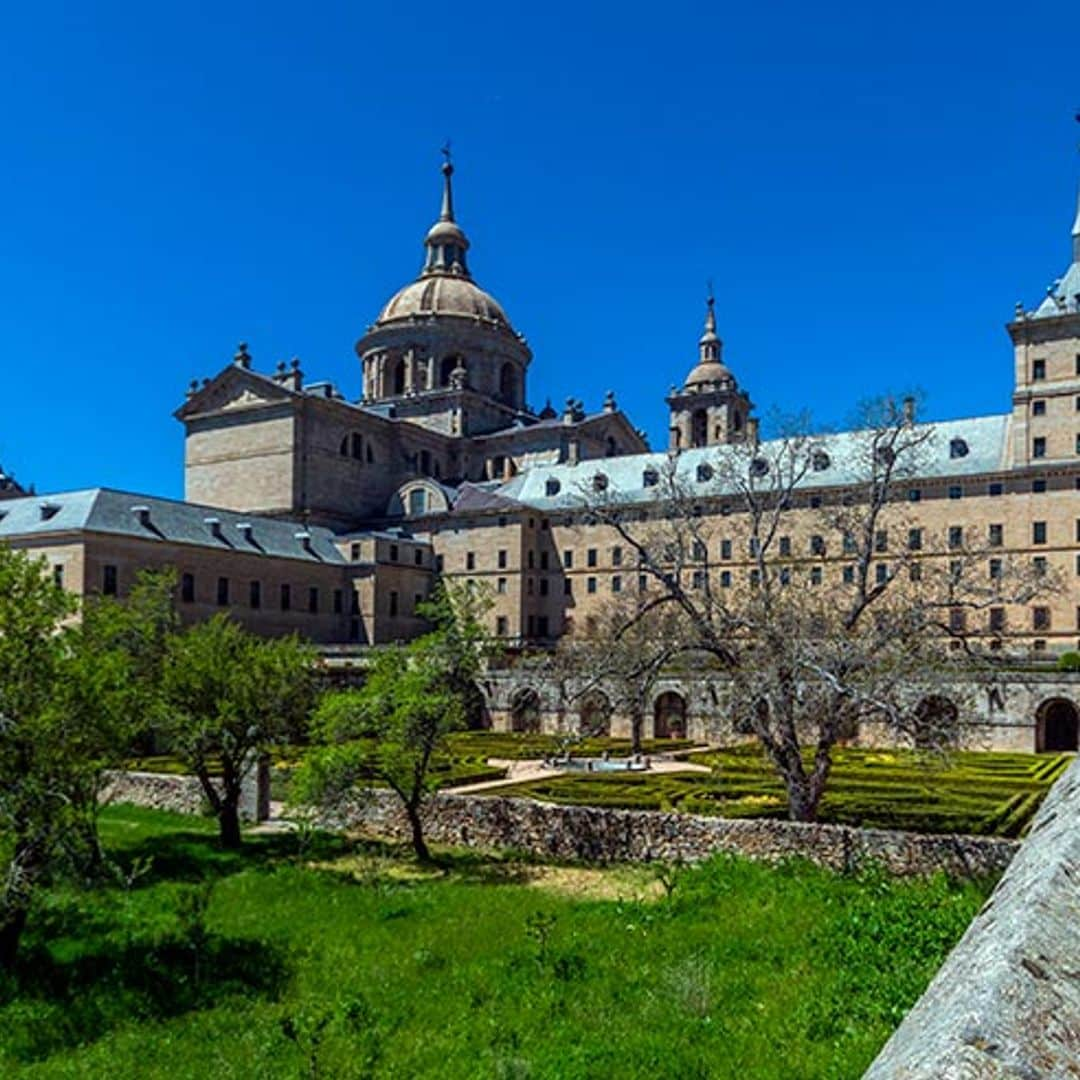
x=281, y=367
x=193, y=388
x=1019, y=310
x=609, y=402
x=568, y=411
x=242, y=358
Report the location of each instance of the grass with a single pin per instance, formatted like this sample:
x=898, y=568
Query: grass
x=968, y=792
x=263, y=963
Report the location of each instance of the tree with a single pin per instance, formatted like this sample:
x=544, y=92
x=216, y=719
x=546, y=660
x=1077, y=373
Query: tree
x=803, y=666
x=228, y=695
x=393, y=726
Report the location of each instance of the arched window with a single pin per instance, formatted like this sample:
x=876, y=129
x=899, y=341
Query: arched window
x=356, y=446
x=399, y=377
x=599, y=482
x=552, y=487
x=594, y=715
x=1057, y=726
x=369, y=454
x=344, y=449
x=669, y=716
x=819, y=461
x=508, y=384
x=446, y=368
x=699, y=428
x=417, y=502
x=958, y=448
x=759, y=467
x=525, y=712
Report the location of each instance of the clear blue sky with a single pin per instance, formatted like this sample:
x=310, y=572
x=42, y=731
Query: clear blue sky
x=870, y=187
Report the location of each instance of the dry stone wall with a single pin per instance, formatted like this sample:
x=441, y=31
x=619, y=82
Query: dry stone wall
x=603, y=835
x=184, y=794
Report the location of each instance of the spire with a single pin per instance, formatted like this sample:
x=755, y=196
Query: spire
x=446, y=243
x=709, y=344
x=1076, y=231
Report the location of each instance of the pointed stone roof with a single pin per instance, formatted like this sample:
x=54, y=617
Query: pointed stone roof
x=1063, y=296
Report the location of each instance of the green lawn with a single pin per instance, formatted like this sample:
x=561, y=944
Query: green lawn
x=968, y=792
x=489, y=968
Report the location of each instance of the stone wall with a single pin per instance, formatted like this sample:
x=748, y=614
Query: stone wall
x=1006, y=1003
x=184, y=794
x=600, y=835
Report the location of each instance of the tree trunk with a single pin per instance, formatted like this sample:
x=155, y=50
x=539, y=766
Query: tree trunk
x=418, y=842
x=10, y=932
x=637, y=720
x=229, y=823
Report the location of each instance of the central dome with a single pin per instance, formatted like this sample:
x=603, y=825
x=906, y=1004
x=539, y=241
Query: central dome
x=439, y=294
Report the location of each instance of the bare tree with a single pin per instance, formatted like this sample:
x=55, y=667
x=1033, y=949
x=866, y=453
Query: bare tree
x=833, y=607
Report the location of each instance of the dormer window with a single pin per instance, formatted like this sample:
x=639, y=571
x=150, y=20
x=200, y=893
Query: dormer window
x=884, y=455
x=958, y=448
x=759, y=467
x=49, y=510
x=552, y=487
x=704, y=473
x=650, y=478
x=600, y=482
x=819, y=461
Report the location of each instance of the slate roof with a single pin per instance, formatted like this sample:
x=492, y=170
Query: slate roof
x=984, y=438
x=105, y=510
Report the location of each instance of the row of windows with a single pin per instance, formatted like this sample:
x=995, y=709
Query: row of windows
x=1038, y=406
x=225, y=594
x=1038, y=369
x=1038, y=445
x=352, y=446
x=355, y=554
x=537, y=626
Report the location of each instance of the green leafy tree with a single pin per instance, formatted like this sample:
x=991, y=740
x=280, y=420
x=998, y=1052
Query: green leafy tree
x=229, y=695
x=391, y=729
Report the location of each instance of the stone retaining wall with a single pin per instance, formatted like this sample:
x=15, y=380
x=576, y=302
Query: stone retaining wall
x=1006, y=1003
x=183, y=794
x=602, y=835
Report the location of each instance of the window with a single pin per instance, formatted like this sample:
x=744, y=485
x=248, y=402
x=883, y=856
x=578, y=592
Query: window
x=543, y=586
x=1038, y=532
x=1038, y=487
x=850, y=547
x=552, y=487
x=568, y=559
x=848, y=575
x=956, y=536
x=418, y=556
x=590, y=585
x=785, y=575
x=881, y=573
x=815, y=575
x=313, y=600
x=590, y=557
x=815, y=502
x=500, y=586
x=755, y=577
x=956, y=570
x=753, y=547
x=956, y=491
x=759, y=467
x=223, y=592
x=470, y=560
x=642, y=582
x=502, y=558
x=616, y=583
x=785, y=546
x=881, y=540
x=817, y=545
x=725, y=549
x=1077, y=445
x=914, y=539
x=1038, y=407
x=339, y=601
x=698, y=551
x=542, y=626
x=187, y=588
x=599, y=482
x=1038, y=369
x=957, y=620
x=529, y=586
x=255, y=595
x=1078, y=530
x=995, y=569
x=286, y=597
x=996, y=621
x=354, y=552
x=915, y=572
x=1040, y=618
x=58, y=575
x=393, y=603
x=996, y=535
x=568, y=587
x=995, y=489
x=650, y=478
x=530, y=559
x=417, y=502
x=438, y=564
x=108, y=580
x=502, y=626
x=616, y=556
x=1076, y=403
x=393, y=553
x=819, y=461
x=543, y=560
x=958, y=448
x=725, y=579
x=1039, y=565
x=914, y=495
x=704, y=473
x=1038, y=447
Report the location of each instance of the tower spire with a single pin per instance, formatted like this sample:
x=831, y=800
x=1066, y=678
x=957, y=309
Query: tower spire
x=709, y=343
x=446, y=243
x=447, y=213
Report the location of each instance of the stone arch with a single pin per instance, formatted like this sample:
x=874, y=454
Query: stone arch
x=699, y=428
x=397, y=375
x=508, y=382
x=1057, y=726
x=594, y=714
x=937, y=722
x=447, y=366
x=525, y=711
x=669, y=716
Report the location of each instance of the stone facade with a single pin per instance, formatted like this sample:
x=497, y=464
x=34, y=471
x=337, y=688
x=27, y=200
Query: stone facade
x=599, y=835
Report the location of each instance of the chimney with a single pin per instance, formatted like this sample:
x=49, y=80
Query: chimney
x=909, y=410
x=142, y=514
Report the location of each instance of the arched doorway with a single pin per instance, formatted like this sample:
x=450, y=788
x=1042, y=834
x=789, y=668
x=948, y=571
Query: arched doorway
x=1057, y=726
x=669, y=716
x=594, y=715
x=937, y=723
x=525, y=712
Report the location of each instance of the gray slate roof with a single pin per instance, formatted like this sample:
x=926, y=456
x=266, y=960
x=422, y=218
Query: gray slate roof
x=104, y=510
x=984, y=437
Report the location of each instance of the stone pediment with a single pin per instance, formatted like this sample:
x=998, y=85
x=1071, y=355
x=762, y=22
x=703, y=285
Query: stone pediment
x=234, y=389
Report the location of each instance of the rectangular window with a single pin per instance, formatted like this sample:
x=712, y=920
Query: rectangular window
x=393, y=553
x=108, y=580
x=1038, y=369
x=568, y=587
x=957, y=620
x=354, y=552
x=956, y=570
x=995, y=489
x=915, y=572
x=223, y=592
x=502, y=558
x=417, y=600
x=286, y=597
x=817, y=545
x=255, y=595
x=500, y=586
x=643, y=582
x=914, y=539
x=543, y=586
x=881, y=573
x=1038, y=532
x=914, y=495
x=542, y=630
x=785, y=574
x=339, y=601
x=725, y=549
x=725, y=579
x=1076, y=403
x=568, y=559
x=995, y=569
x=848, y=575
x=815, y=575
x=1038, y=487
x=1040, y=618
x=698, y=552
x=1039, y=565
x=616, y=583
x=755, y=577
x=1078, y=442
x=531, y=559
x=956, y=491
x=543, y=560
x=881, y=540
x=418, y=556
x=187, y=588
x=956, y=536
x=815, y=502
x=1038, y=408
x=58, y=575
x=590, y=585
x=502, y=626
x=996, y=535
x=393, y=603
x=590, y=557
x=529, y=586
x=470, y=560
x=1038, y=447
x=753, y=546
x=313, y=600
x=850, y=547
x=996, y=621
x=785, y=546
x=616, y=556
